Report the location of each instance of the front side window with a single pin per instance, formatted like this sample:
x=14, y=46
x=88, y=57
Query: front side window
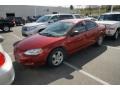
x=43, y=19
x=54, y=18
x=90, y=25
x=77, y=16
x=57, y=29
x=110, y=17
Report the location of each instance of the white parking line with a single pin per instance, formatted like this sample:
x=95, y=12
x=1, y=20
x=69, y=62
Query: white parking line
x=112, y=47
x=87, y=74
x=77, y=69
x=10, y=53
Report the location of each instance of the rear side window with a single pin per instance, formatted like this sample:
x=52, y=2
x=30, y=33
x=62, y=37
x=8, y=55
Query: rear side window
x=77, y=16
x=90, y=25
x=54, y=17
x=62, y=17
x=80, y=27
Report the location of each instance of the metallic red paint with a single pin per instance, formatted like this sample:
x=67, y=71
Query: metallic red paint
x=70, y=44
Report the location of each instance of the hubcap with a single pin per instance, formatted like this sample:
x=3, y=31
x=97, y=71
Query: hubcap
x=100, y=40
x=57, y=58
x=6, y=28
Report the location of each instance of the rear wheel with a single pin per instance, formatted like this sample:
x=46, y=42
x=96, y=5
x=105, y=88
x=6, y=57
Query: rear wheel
x=56, y=57
x=6, y=28
x=115, y=37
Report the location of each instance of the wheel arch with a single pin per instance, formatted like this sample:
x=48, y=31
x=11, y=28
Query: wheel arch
x=52, y=50
x=56, y=48
x=118, y=29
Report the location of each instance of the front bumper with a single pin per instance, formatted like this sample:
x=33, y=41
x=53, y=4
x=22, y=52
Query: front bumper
x=30, y=60
x=110, y=32
x=28, y=33
x=7, y=73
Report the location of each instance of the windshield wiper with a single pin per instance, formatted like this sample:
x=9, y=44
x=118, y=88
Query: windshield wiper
x=46, y=34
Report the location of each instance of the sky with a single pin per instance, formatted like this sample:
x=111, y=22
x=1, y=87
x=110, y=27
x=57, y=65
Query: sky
x=59, y=2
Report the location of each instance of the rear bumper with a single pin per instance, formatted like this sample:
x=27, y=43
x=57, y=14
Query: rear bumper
x=7, y=73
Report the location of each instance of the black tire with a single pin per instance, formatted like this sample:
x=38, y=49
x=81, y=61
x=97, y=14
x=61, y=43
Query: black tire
x=6, y=28
x=41, y=30
x=99, y=41
x=116, y=35
x=51, y=59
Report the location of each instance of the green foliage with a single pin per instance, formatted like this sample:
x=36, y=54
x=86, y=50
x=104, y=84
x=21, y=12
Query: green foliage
x=71, y=7
x=97, y=11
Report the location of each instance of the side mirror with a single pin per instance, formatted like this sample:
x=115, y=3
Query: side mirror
x=1, y=39
x=75, y=32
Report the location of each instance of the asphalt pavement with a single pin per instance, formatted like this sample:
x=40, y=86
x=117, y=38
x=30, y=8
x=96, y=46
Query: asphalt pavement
x=90, y=66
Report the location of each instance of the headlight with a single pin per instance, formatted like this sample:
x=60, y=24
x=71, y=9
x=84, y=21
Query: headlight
x=33, y=51
x=33, y=27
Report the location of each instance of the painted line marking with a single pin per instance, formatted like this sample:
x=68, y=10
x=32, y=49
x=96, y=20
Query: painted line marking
x=81, y=71
x=87, y=74
x=10, y=53
x=112, y=47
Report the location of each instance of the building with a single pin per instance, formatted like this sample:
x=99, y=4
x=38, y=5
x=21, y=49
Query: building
x=27, y=10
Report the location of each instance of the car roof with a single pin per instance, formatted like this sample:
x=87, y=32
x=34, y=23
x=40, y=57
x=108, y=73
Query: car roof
x=76, y=14
x=111, y=13
x=73, y=20
x=60, y=14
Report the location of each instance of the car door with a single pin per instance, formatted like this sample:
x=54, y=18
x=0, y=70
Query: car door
x=92, y=30
x=77, y=42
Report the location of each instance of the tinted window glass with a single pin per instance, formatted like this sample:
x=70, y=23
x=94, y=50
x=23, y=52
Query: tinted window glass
x=57, y=29
x=111, y=17
x=80, y=27
x=62, y=17
x=77, y=16
x=43, y=19
x=54, y=18
x=90, y=24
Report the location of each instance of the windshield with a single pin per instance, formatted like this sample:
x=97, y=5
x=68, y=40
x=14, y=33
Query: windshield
x=112, y=17
x=57, y=29
x=43, y=19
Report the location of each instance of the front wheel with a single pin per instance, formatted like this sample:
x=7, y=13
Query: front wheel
x=115, y=37
x=6, y=28
x=99, y=41
x=56, y=57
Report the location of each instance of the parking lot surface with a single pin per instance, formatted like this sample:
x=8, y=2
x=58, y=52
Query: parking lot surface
x=91, y=66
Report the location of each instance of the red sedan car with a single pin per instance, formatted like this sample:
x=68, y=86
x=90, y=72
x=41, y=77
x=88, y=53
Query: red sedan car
x=57, y=41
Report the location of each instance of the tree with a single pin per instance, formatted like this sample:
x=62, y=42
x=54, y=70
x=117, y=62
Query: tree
x=109, y=8
x=71, y=7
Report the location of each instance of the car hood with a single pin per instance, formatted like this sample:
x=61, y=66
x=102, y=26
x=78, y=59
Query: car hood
x=107, y=22
x=37, y=41
x=35, y=24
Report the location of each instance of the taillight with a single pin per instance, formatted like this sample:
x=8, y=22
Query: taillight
x=2, y=59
